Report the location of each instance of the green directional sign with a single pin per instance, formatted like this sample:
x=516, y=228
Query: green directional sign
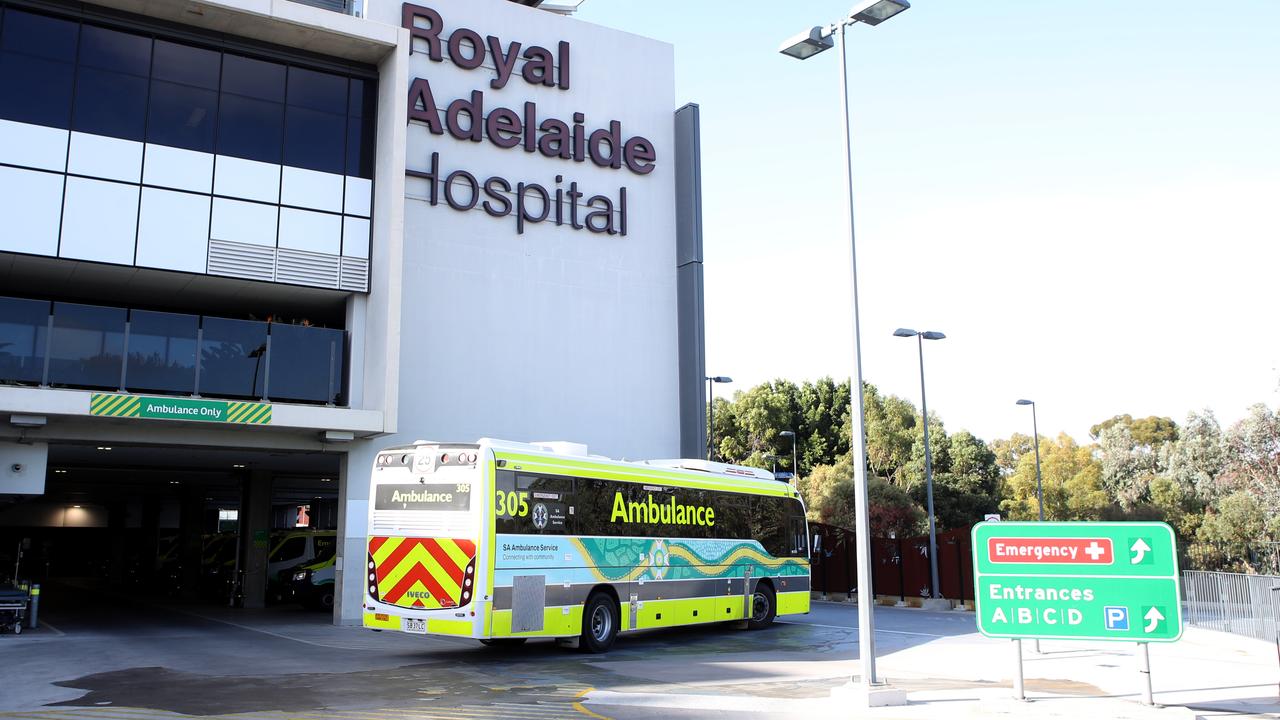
x=1077, y=581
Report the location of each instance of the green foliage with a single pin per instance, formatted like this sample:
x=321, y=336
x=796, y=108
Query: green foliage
x=828, y=492
x=1149, y=431
x=1072, y=482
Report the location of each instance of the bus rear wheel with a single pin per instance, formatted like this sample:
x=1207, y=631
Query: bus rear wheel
x=599, y=623
x=763, y=607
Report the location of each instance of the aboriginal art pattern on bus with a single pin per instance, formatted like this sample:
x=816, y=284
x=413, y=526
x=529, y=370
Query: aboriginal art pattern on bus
x=421, y=572
x=592, y=559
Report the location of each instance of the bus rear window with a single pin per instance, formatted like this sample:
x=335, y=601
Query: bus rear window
x=438, y=497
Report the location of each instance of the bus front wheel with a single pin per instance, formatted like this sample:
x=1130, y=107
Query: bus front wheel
x=763, y=607
x=599, y=623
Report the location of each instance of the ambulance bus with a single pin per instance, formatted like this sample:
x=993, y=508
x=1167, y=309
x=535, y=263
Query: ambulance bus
x=503, y=541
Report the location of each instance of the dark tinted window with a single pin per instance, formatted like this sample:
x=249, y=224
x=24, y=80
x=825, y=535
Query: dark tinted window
x=110, y=103
x=317, y=91
x=314, y=140
x=115, y=51
x=187, y=65
x=162, y=352
x=87, y=346
x=778, y=524
x=184, y=96
x=250, y=128
x=35, y=90
x=253, y=78
x=38, y=35
x=23, y=327
x=290, y=549
x=361, y=111
x=535, y=504
x=182, y=116
x=36, y=68
x=233, y=357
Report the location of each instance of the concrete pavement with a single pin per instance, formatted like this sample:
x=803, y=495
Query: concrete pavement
x=123, y=660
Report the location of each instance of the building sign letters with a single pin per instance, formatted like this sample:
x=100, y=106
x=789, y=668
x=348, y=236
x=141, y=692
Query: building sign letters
x=478, y=119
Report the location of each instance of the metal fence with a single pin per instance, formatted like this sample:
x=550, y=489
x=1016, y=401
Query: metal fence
x=1241, y=604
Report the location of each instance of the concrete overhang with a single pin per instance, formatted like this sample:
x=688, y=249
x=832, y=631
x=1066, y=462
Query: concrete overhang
x=280, y=22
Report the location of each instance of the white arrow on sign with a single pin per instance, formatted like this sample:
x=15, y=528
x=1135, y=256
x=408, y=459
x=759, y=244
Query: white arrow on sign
x=1140, y=549
x=1153, y=617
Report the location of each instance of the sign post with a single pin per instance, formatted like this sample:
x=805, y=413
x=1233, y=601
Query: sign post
x=1078, y=581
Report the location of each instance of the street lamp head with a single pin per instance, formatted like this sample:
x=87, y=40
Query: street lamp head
x=904, y=332
x=932, y=335
x=1026, y=402
x=874, y=12
x=786, y=434
x=720, y=379
x=807, y=44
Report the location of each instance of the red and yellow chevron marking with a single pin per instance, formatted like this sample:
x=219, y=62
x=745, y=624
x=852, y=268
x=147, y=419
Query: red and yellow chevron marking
x=421, y=572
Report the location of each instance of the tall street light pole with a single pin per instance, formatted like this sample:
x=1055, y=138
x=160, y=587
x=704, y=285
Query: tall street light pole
x=711, y=412
x=928, y=458
x=1035, y=442
x=795, y=467
x=804, y=46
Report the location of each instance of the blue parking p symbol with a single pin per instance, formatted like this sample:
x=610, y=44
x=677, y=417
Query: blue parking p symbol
x=1117, y=618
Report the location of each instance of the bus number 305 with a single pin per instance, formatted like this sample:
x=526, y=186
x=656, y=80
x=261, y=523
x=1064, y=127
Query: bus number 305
x=512, y=504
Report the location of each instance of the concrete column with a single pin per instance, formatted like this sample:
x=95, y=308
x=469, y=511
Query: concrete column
x=255, y=537
x=691, y=356
x=353, y=528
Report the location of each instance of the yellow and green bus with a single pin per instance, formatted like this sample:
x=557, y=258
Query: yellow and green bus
x=503, y=541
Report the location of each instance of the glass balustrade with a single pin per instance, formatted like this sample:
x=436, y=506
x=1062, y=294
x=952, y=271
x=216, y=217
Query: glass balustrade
x=106, y=348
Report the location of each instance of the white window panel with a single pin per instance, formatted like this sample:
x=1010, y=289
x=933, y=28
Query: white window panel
x=105, y=157
x=173, y=230
x=30, y=208
x=248, y=179
x=245, y=222
x=310, y=231
x=33, y=146
x=99, y=221
x=359, y=199
x=311, y=189
x=177, y=168
x=355, y=237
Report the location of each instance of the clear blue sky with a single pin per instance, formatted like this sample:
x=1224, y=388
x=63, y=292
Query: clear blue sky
x=1084, y=196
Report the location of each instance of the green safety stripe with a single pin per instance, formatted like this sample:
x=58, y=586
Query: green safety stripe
x=115, y=405
x=535, y=463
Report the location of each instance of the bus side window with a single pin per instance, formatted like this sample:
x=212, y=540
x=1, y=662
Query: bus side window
x=593, y=505
x=799, y=529
x=769, y=525
x=732, y=510
x=548, y=498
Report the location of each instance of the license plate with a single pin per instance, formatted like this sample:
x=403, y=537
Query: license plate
x=414, y=625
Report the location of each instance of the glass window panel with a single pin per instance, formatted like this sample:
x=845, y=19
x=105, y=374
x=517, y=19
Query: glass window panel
x=253, y=78
x=291, y=549
x=314, y=140
x=233, y=358
x=187, y=65
x=38, y=35
x=23, y=327
x=182, y=116
x=306, y=363
x=317, y=90
x=361, y=98
x=87, y=346
x=114, y=50
x=250, y=128
x=162, y=352
x=110, y=103
x=35, y=90
x=360, y=147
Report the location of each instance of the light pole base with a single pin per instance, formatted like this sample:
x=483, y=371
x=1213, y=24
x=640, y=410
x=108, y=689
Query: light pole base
x=857, y=695
x=935, y=604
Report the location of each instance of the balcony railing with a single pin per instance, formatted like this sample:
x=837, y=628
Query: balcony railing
x=346, y=7
x=62, y=344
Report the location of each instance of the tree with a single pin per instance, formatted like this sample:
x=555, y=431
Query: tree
x=970, y=488
x=1127, y=466
x=1150, y=431
x=1197, y=458
x=1071, y=479
x=1008, y=453
x=828, y=493
x=1235, y=526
